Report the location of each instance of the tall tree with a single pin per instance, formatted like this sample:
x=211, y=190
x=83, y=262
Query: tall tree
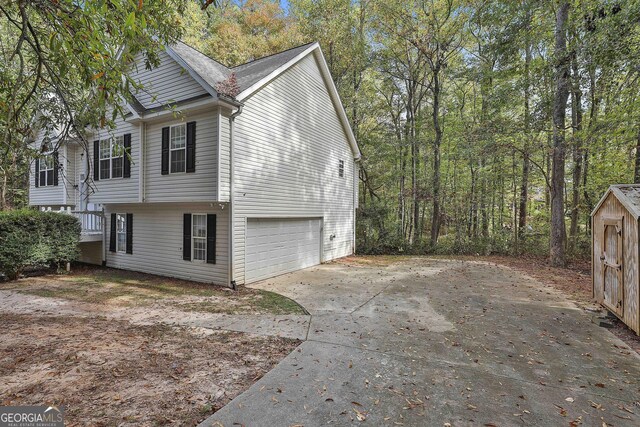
x=562, y=83
x=69, y=62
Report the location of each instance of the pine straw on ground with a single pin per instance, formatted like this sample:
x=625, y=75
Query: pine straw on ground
x=115, y=373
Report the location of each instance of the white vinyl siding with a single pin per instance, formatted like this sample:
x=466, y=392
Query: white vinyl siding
x=224, y=155
x=184, y=187
x=157, y=237
x=116, y=190
x=288, y=142
x=167, y=83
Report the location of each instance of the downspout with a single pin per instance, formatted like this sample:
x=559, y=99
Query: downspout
x=355, y=187
x=232, y=281
x=141, y=160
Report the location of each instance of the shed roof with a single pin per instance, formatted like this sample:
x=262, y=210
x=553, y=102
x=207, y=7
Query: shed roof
x=627, y=194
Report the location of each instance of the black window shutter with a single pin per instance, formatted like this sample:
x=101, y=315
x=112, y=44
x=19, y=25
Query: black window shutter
x=186, y=237
x=56, y=167
x=191, y=147
x=127, y=156
x=96, y=160
x=37, y=177
x=112, y=234
x=129, y=233
x=211, y=239
x=165, y=151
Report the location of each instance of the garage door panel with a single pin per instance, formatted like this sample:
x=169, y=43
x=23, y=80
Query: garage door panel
x=278, y=246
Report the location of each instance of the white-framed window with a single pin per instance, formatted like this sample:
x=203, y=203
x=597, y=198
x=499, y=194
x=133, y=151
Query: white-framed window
x=121, y=232
x=199, y=237
x=178, y=148
x=341, y=168
x=112, y=157
x=47, y=164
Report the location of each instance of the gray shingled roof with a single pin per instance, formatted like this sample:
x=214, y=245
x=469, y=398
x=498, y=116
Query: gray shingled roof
x=210, y=70
x=247, y=74
x=254, y=71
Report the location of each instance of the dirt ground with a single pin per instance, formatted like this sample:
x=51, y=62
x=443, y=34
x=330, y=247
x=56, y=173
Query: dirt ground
x=119, y=288
x=108, y=367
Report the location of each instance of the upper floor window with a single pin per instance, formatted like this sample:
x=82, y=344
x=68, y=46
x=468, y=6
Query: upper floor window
x=47, y=166
x=341, y=168
x=112, y=157
x=178, y=148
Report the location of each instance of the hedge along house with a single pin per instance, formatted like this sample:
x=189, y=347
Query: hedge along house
x=615, y=252
x=232, y=189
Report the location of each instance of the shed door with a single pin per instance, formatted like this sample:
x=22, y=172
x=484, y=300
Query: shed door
x=612, y=268
x=281, y=245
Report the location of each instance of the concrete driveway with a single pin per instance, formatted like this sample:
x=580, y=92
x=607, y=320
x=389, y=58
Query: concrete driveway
x=425, y=342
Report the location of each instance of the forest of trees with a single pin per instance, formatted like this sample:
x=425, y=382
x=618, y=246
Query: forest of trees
x=486, y=126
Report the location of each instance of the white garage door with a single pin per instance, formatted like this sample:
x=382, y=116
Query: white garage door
x=278, y=246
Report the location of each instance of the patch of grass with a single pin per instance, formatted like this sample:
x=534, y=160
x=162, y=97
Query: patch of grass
x=278, y=304
x=108, y=286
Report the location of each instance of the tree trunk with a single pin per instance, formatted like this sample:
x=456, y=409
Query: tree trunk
x=636, y=172
x=576, y=121
x=558, y=232
x=526, y=164
x=435, y=222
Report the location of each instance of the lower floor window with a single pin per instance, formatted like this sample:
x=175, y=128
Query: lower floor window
x=121, y=232
x=199, y=236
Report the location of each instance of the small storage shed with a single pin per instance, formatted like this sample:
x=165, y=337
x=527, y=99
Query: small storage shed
x=615, y=252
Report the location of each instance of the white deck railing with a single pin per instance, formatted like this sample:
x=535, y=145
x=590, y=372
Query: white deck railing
x=91, y=221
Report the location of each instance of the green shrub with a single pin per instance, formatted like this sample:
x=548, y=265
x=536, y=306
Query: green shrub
x=30, y=238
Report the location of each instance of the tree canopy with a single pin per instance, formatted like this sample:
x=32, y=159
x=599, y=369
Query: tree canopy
x=485, y=126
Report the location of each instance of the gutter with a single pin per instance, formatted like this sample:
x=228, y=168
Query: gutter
x=232, y=281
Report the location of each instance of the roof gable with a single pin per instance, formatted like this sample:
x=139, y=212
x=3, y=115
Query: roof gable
x=627, y=194
x=293, y=56
x=254, y=75
x=165, y=84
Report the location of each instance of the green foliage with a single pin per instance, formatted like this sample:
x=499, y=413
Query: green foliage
x=30, y=238
x=65, y=66
x=238, y=32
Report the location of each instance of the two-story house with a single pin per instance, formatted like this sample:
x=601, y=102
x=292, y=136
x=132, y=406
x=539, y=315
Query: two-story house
x=226, y=190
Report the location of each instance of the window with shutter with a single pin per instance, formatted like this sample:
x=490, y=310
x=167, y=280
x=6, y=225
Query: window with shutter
x=178, y=148
x=111, y=152
x=45, y=170
x=199, y=237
